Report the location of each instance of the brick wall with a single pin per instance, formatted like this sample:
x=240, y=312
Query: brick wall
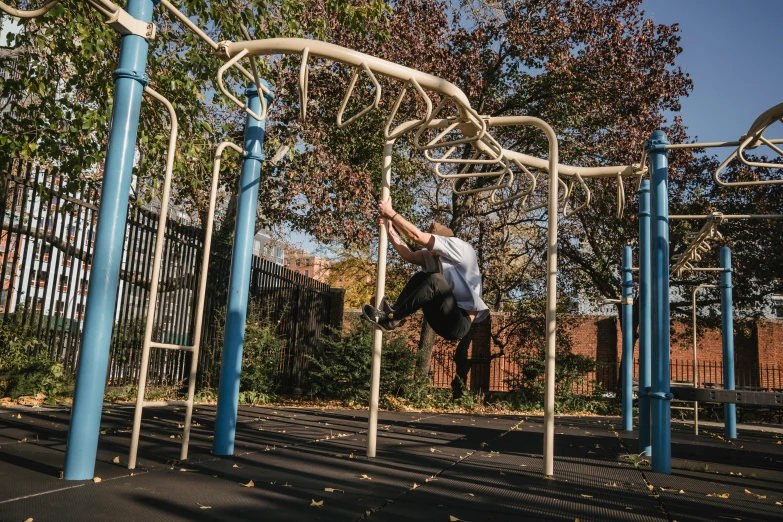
x=756, y=344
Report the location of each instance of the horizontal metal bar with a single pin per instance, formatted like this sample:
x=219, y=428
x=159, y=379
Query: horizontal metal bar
x=153, y=404
x=727, y=216
x=728, y=396
x=712, y=144
x=707, y=269
x=166, y=346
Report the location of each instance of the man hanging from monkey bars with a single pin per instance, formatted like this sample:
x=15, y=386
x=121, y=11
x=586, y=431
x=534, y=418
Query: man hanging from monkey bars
x=447, y=290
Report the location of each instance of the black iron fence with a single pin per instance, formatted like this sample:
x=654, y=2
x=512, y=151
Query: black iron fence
x=46, y=245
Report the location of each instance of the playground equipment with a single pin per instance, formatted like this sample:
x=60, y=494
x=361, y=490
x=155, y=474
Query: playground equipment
x=440, y=132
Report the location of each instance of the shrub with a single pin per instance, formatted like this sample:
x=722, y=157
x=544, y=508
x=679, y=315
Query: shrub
x=341, y=369
x=25, y=365
x=261, y=357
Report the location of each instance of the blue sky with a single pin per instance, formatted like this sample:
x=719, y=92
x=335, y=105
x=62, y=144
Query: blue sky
x=729, y=49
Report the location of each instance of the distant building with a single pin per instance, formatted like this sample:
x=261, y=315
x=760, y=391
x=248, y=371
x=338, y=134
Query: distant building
x=307, y=264
x=265, y=248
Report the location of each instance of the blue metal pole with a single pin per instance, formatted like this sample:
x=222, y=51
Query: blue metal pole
x=660, y=397
x=729, y=410
x=627, y=326
x=130, y=81
x=645, y=319
x=239, y=282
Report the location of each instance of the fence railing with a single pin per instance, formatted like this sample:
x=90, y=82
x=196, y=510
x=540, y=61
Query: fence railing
x=499, y=373
x=46, y=247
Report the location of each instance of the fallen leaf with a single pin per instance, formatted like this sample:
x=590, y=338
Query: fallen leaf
x=333, y=490
x=586, y=496
x=415, y=485
x=430, y=479
x=316, y=504
x=249, y=484
x=612, y=485
x=681, y=492
x=23, y=440
x=29, y=519
x=96, y=479
x=365, y=477
x=339, y=455
x=235, y=466
x=116, y=460
x=19, y=417
x=201, y=506
x=718, y=495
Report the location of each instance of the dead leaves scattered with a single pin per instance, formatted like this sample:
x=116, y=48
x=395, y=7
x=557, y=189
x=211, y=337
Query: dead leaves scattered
x=365, y=477
x=202, y=506
x=718, y=495
x=249, y=484
x=760, y=497
x=96, y=479
x=116, y=460
x=333, y=490
x=319, y=504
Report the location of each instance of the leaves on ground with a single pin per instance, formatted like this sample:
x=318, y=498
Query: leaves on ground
x=201, y=506
x=116, y=460
x=249, y=484
x=718, y=495
x=313, y=503
x=760, y=497
x=96, y=479
x=333, y=490
x=586, y=496
x=365, y=477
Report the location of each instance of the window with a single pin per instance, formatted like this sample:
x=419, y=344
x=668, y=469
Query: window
x=84, y=284
x=59, y=307
x=307, y=262
x=63, y=283
x=298, y=263
x=79, y=311
x=307, y=274
x=43, y=277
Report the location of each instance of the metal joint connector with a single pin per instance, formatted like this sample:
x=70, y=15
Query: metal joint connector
x=122, y=22
x=249, y=156
x=656, y=145
x=660, y=396
x=142, y=78
x=626, y=300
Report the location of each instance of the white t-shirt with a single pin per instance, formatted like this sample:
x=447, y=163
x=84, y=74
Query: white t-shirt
x=459, y=267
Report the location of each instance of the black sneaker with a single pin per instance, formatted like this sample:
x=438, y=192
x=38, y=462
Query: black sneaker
x=387, y=309
x=378, y=318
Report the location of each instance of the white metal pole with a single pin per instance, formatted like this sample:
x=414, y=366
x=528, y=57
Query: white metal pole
x=380, y=288
x=153, y=297
x=551, y=304
x=202, y=292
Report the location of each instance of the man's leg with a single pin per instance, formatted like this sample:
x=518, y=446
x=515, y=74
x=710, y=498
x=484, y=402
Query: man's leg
x=420, y=290
x=446, y=318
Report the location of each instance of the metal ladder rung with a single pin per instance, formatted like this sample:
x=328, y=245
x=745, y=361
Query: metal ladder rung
x=166, y=346
x=152, y=404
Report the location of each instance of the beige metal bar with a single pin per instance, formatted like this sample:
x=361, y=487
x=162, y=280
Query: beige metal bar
x=223, y=68
x=728, y=216
x=700, y=243
x=400, y=130
x=166, y=346
x=202, y=291
x=159, y=404
x=351, y=86
x=153, y=296
x=272, y=46
x=304, y=77
x=30, y=13
x=380, y=289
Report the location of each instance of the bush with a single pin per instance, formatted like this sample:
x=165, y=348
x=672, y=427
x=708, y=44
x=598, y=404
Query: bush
x=25, y=365
x=341, y=370
x=261, y=358
x=571, y=371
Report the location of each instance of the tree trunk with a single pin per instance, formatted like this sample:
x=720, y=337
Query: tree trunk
x=424, y=352
x=462, y=362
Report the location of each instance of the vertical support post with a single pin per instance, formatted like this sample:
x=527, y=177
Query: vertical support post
x=627, y=328
x=380, y=289
x=645, y=318
x=727, y=311
x=130, y=80
x=660, y=397
x=239, y=281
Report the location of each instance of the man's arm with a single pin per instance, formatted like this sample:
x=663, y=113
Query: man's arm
x=417, y=258
x=423, y=239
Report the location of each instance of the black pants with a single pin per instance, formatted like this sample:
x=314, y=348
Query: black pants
x=432, y=294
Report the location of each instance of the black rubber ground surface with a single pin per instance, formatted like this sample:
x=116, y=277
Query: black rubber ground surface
x=309, y=464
